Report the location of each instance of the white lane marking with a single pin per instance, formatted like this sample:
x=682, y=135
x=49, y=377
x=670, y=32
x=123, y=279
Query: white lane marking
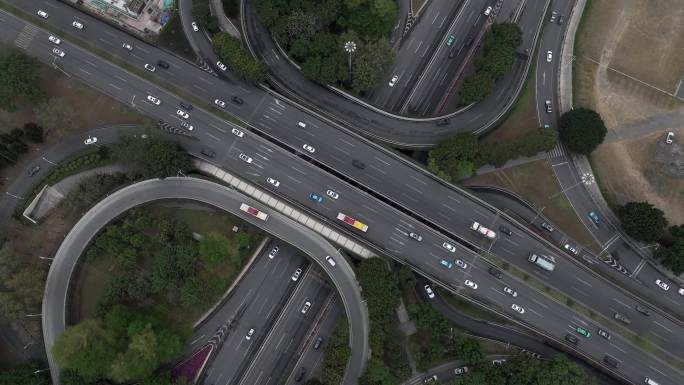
x=112, y=34
x=397, y=240
x=418, y=47
x=449, y=207
x=85, y=71
x=206, y=81
x=583, y=322
x=276, y=111
x=369, y=208
x=120, y=78
x=200, y=88
x=342, y=151
x=212, y=136
x=616, y=347
x=509, y=240
x=584, y=282
x=540, y=304
x=379, y=170
x=481, y=213
x=540, y=316
x=409, y=197
x=662, y=326
x=418, y=180
x=657, y=370
x=658, y=335
x=86, y=61
x=106, y=41
x=453, y=199
x=113, y=86
x=298, y=170
x=143, y=49
x=382, y=161
x=347, y=143
x=294, y=179
x=217, y=127
x=508, y=251
x=413, y=188
x=622, y=303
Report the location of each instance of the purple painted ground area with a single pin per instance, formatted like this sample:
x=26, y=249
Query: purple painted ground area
x=190, y=368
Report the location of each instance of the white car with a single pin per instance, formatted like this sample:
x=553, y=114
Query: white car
x=54, y=39
x=461, y=264
x=90, y=140
x=58, y=52
x=42, y=14
x=153, y=100
x=510, y=291
x=449, y=247
x=428, y=290
x=681, y=291
x=187, y=126
x=249, y=335
x=332, y=194
x=245, y=158
x=296, y=274
x=393, y=81
x=570, y=248
x=220, y=103
x=77, y=24
x=194, y=26
x=222, y=66
x=273, y=181
x=182, y=114
x=273, y=252
x=518, y=309
x=150, y=67
x=549, y=56
x=471, y=284
x=670, y=137
x=662, y=285
x=127, y=46
x=309, y=148
x=237, y=132
x=487, y=11
x=306, y=307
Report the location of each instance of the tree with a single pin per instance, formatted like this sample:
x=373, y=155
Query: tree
x=165, y=158
x=33, y=132
x=215, y=248
x=452, y=159
x=672, y=255
x=371, y=61
x=19, y=79
x=25, y=374
x=475, y=88
x=55, y=115
x=85, y=348
x=337, y=353
x=582, y=130
x=642, y=221
x=469, y=350
x=24, y=291
x=237, y=58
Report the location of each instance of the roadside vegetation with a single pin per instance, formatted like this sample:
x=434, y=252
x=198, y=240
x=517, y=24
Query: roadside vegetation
x=238, y=58
x=498, y=56
x=29, y=373
x=337, y=353
x=22, y=284
x=582, y=130
x=314, y=34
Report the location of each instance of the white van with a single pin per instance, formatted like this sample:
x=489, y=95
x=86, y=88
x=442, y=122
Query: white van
x=650, y=382
x=330, y=260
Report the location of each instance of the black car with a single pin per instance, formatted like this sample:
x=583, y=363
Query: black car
x=560, y=19
x=469, y=42
x=572, y=339
x=236, y=100
x=33, y=170
x=318, y=343
x=611, y=361
x=505, y=230
x=186, y=106
x=358, y=164
x=300, y=374
x=163, y=64
x=643, y=310
x=443, y=122
x=208, y=152
x=495, y=273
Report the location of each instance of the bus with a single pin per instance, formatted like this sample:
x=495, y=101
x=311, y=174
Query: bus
x=352, y=222
x=251, y=210
x=545, y=262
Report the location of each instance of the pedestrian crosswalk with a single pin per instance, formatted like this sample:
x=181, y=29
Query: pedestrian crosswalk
x=26, y=36
x=557, y=151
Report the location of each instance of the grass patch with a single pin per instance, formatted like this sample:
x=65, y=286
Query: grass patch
x=536, y=183
x=496, y=348
x=173, y=38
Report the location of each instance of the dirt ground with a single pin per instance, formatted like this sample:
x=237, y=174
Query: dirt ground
x=628, y=60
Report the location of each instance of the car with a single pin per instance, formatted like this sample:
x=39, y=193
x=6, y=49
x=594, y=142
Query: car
x=461, y=264
x=90, y=140
x=649, y=381
x=309, y=148
x=153, y=100
x=570, y=248
x=517, y=308
x=470, y=284
x=443, y=122
x=194, y=26
x=358, y=164
x=450, y=40
x=182, y=114
x=300, y=374
x=316, y=198
x=430, y=379
x=446, y=263
x=547, y=227
x=33, y=170
x=222, y=66
x=318, y=343
x=594, y=218
x=150, y=67
x=669, y=138
x=681, y=291
x=603, y=334
x=208, y=152
x=249, y=335
x=560, y=19
x=301, y=124
x=554, y=14
x=449, y=247
x=393, y=81
x=662, y=284
x=42, y=14
x=58, y=52
x=505, y=230
x=332, y=194
x=296, y=274
x=76, y=24
x=186, y=106
x=237, y=132
x=236, y=100
x=487, y=11
x=306, y=307
x=127, y=46
x=429, y=291
x=54, y=39
x=495, y=272
x=499, y=361
x=163, y=64
x=273, y=181
x=510, y=291
x=612, y=361
x=621, y=318
x=548, y=107
x=187, y=126
x=273, y=252
x=415, y=236
x=220, y=103
x=643, y=310
x=245, y=158
x=572, y=339
x=460, y=370
x=330, y=260
x=583, y=332
x=549, y=56
x=469, y=41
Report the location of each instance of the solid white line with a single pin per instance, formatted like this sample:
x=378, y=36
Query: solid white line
x=212, y=136
x=657, y=370
x=85, y=71
x=120, y=78
x=380, y=160
x=622, y=303
x=616, y=347
x=540, y=304
x=413, y=188
x=662, y=326
x=347, y=143
x=218, y=128
x=453, y=199
x=294, y=179
x=112, y=85
x=541, y=316
x=418, y=180
x=379, y=170
x=584, y=282
x=298, y=170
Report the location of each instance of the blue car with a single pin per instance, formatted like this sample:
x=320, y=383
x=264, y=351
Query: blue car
x=446, y=263
x=594, y=217
x=315, y=197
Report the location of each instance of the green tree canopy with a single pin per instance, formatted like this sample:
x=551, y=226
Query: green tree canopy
x=19, y=80
x=642, y=221
x=237, y=58
x=29, y=373
x=582, y=130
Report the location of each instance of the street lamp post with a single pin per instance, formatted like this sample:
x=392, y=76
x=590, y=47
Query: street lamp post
x=350, y=47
